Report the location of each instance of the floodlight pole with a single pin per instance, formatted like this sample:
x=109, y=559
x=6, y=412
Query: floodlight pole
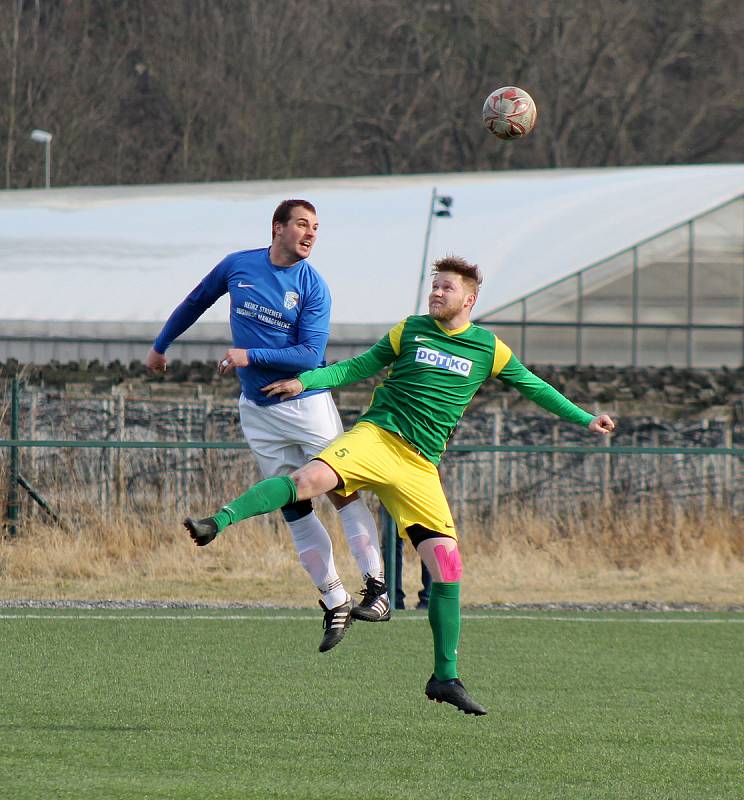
x=45, y=138
x=48, y=164
x=422, y=276
x=446, y=202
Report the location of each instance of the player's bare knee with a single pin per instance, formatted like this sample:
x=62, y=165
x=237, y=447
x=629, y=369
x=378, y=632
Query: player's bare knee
x=449, y=562
x=303, y=484
x=441, y=556
x=313, y=479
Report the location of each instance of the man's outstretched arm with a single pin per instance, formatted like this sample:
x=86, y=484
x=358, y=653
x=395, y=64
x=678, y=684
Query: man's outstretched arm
x=344, y=372
x=515, y=374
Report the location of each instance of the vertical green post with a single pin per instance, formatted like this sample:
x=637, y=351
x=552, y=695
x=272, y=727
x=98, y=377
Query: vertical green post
x=389, y=533
x=12, y=512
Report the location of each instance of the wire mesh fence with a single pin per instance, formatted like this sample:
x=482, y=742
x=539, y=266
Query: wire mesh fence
x=499, y=460
x=189, y=454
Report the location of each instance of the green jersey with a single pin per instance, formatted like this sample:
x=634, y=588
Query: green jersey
x=433, y=377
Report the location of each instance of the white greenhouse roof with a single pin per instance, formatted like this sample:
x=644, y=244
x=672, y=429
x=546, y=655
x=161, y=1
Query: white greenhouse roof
x=130, y=253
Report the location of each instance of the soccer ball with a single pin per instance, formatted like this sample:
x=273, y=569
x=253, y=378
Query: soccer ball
x=509, y=112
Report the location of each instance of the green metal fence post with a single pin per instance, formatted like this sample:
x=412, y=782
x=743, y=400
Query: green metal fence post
x=389, y=533
x=12, y=511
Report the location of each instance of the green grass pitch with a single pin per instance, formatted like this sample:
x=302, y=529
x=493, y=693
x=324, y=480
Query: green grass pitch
x=239, y=704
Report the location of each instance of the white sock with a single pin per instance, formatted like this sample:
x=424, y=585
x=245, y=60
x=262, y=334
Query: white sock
x=316, y=555
x=361, y=534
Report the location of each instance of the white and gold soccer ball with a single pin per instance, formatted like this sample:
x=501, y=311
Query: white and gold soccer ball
x=509, y=112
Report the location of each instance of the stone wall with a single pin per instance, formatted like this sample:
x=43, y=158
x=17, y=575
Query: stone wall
x=629, y=391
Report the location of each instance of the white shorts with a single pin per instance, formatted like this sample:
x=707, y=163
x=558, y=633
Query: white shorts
x=287, y=435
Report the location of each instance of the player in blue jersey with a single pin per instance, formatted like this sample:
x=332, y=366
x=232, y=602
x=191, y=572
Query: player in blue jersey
x=280, y=316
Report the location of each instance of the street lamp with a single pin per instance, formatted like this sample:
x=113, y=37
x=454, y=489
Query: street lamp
x=437, y=200
x=45, y=138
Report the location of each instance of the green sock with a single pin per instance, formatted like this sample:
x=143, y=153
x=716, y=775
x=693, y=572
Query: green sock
x=265, y=496
x=444, y=618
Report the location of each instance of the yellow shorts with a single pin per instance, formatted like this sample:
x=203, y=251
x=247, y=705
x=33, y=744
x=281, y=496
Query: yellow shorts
x=408, y=485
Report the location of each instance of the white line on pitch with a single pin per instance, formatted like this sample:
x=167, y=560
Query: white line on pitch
x=417, y=618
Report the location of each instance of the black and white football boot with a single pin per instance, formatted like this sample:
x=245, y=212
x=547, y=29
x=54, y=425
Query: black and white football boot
x=375, y=604
x=452, y=691
x=335, y=622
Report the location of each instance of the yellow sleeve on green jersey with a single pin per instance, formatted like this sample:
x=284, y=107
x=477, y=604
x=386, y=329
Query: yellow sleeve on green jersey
x=501, y=355
x=395, y=335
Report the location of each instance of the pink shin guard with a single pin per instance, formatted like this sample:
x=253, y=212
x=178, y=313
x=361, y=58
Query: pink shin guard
x=450, y=564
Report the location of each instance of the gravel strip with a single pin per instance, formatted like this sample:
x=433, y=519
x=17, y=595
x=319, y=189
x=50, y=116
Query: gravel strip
x=630, y=605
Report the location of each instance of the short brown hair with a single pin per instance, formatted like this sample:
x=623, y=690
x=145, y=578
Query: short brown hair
x=471, y=273
x=284, y=211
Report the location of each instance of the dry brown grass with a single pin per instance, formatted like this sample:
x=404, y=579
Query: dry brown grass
x=610, y=555
x=598, y=555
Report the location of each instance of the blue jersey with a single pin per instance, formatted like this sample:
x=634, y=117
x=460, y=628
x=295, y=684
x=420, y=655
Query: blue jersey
x=281, y=315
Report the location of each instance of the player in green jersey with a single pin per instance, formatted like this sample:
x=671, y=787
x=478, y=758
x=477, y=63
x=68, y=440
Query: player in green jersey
x=437, y=363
